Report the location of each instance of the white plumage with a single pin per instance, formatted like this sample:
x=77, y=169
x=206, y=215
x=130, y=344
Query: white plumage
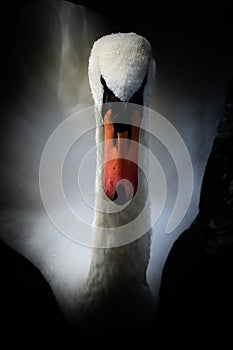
x=117, y=282
x=124, y=60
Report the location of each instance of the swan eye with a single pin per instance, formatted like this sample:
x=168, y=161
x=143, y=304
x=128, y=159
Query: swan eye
x=108, y=96
x=103, y=82
x=137, y=98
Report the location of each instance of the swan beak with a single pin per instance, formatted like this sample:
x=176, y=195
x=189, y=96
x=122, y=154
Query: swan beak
x=120, y=176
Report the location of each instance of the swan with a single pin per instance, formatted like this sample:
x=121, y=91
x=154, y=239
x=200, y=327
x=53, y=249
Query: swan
x=44, y=102
x=121, y=76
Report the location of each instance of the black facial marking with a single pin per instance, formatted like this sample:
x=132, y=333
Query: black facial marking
x=122, y=111
x=109, y=96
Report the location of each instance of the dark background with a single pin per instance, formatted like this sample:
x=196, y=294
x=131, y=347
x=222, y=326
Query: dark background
x=196, y=293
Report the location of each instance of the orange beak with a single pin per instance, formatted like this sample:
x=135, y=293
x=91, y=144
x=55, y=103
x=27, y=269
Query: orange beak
x=121, y=157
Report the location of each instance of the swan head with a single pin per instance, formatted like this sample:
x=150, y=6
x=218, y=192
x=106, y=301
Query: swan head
x=121, y=76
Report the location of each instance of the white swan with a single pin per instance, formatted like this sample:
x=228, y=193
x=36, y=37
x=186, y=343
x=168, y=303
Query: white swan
x=40, y=108
x=121, y=69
